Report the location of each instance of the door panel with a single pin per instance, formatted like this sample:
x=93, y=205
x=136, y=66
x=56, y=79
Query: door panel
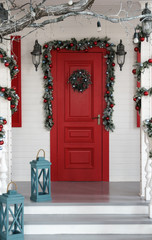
x=79, y=138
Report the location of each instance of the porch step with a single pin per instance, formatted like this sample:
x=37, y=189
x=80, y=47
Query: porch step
x=88, y=237
x=87, y=224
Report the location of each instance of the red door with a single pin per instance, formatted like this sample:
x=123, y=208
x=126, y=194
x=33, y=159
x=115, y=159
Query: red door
x=78, y=139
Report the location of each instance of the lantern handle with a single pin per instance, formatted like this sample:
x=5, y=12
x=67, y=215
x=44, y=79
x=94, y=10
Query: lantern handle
x=39, y=152
x=10, y=184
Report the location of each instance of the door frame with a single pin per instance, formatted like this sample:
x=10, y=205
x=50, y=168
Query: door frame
x=54, y=131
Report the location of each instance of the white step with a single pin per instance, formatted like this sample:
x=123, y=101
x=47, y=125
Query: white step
x=87, y=224
x=86, y=209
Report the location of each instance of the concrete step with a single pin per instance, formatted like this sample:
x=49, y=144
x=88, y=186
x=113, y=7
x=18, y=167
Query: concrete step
x=88, y=237
x=87, y=224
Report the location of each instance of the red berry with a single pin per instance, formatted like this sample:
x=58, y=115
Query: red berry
x=50, y=87
x=150, y=60
x=45, y=77
x=1, y=56
x=4, y=121
x=14, y=88
x=111, y=105
x=58, y=49
x=12, y=106
x=45, y=100
x=6, y=64
x=2, y=89
x=136, y=49
x=71, y=44
x=46, y=46
x=1, y=126
x=137, y=108
x=107, y=92
x=135, y=99
x=142, y=39
x=51, y=65
x=134, y=71
x=49, y=117
x=86, y=50
x=1, y=142
x=15, y=67
x=46, y=56
x=107, y=118
x=113, y=64
x=107, y=44
x=9, y=98
x=112, y=78
x=146, y=93
x=95, y=43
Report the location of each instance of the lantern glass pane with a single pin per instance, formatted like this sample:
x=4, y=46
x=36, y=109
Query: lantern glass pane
x=147, y=26
x=120, y=59
x=36, y=59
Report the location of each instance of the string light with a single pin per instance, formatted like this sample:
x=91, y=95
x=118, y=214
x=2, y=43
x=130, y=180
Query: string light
x=98, y=26
x=136, y=37
x=70, y=2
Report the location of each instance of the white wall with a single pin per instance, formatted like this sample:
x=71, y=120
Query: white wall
x=124, y=142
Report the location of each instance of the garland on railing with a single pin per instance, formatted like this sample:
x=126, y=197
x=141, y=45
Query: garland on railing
x=2, y=131
x=139, y=93
x=140, y=68
x=82, y=45
x=147, y=124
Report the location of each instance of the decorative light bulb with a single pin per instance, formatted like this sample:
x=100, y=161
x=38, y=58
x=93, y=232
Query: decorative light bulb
x=98, y=26
x=136, y=38
x=70, y=2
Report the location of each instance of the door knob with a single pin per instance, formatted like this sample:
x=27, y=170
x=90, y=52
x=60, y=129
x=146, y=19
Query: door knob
x=98, y=117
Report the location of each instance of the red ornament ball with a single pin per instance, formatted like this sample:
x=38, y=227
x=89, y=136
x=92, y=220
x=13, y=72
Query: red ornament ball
x=45, y=100
x=107, y=44
x=12, y=106
x=15, y=67
x=45, y=77
x=46, y=56
x=71, y=44
x=142, y=39
x=145, y=93
x=107, y=118
x=1, y=142
x=9, y=98
x=46, y=46
x=150, y=60
x=95, y=42
x=111, y=105
x=2, y=89
x=135, y=99
x=107, y=92
x=58, y=49
x=112, y=78
x=134, y=71
x=51, y=65
x=108, y=52
x=1, y=55
x=4, y=121
x=0, y=129
x=49, y=117
x=6, y=64
x=86, y=50
x=113, y=64
x=136, y=49
x=1, y=126
x=14, y=88
x=137, y=108
x=50, y=87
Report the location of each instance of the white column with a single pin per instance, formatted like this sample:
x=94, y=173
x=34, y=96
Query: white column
x=146, y=53
x=6, y=152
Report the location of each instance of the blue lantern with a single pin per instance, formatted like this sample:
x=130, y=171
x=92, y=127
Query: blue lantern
x=40, y=179
x=11, y=215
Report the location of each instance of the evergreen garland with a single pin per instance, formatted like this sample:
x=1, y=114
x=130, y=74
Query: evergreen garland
x=139, y=93
x=82, y=45
x=2, y=131
x=140, y=68
x=80, y=80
